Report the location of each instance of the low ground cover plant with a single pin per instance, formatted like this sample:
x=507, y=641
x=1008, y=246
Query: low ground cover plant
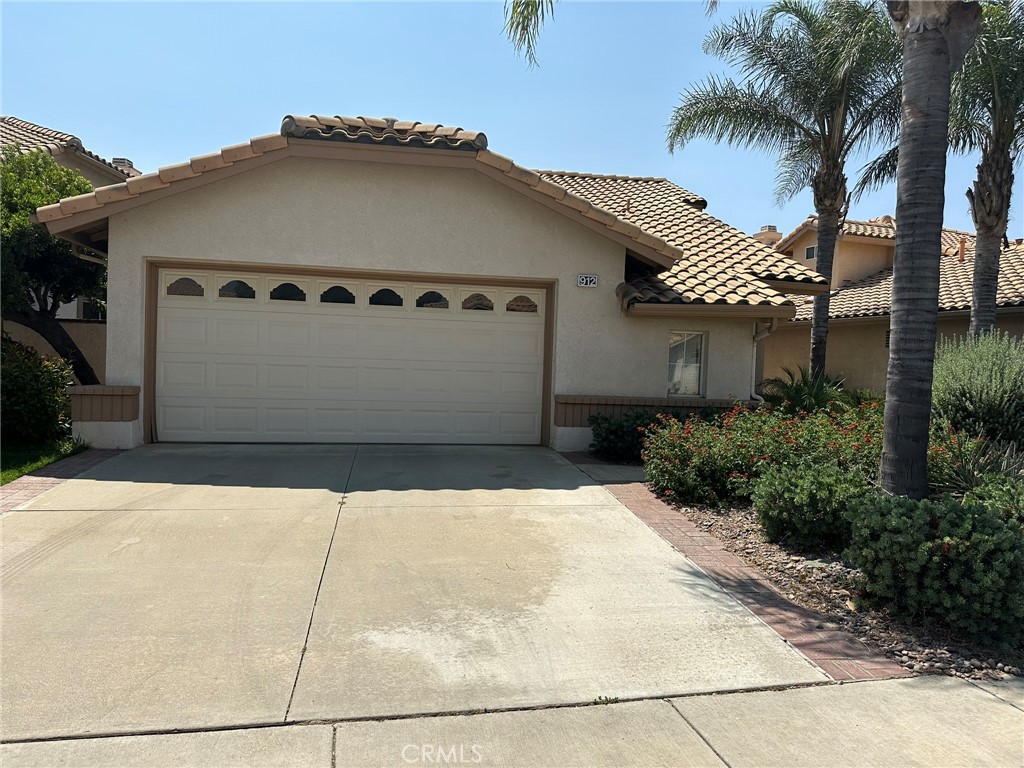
x=954, y=562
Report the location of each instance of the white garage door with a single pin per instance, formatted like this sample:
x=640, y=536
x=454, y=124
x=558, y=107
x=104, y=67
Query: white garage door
x=283, y=358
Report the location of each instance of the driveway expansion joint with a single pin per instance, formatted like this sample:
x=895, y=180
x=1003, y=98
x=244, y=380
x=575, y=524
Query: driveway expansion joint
x=319, y=585
x=377, y=718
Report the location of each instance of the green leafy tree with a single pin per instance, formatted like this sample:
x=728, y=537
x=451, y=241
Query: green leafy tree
x=936, y=37
x=40, y=271
x=819, y=85
x=987, y=115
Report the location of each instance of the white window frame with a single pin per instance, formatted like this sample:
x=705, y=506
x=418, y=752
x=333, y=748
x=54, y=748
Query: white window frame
x=811, y=252
x=702, y=364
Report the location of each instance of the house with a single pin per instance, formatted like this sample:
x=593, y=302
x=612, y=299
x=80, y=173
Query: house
x=67, y=150
x=859, y=309
x=373, y=280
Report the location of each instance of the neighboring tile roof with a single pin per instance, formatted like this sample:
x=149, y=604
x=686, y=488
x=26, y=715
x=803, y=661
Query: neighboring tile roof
x=881, y=227
x=385, y=130
x=30, y=137
x=872, y=295
x=712, y=263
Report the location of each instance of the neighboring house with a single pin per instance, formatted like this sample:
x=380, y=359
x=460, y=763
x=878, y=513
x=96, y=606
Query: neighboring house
x=858, y=337
x=372, y=280
x=68, y=151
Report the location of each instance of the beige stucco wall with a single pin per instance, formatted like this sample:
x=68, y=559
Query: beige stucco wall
x=853, y=259
x=856, y=348
x=89, y=335
x=354, y=214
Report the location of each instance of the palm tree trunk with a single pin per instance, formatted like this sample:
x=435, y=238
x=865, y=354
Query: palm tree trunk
x=828, y=230
x=986, y=282
x=990, y=208
x=920, y=198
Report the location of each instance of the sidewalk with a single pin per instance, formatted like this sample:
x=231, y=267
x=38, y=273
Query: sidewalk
x=924, y=721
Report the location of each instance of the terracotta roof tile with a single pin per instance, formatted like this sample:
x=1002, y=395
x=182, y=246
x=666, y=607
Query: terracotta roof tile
x=872, y=295
x=712, y=263
x=385, y=130
x=30, y=137
x=709, y=252
x=880, y=227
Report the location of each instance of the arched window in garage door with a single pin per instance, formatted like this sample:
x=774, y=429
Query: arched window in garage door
x=432, y=300
x=337, y=294
x=287, y=292
x=385, y=297
x=236, y=289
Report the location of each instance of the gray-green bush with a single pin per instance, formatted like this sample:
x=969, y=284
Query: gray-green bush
x=979, y=386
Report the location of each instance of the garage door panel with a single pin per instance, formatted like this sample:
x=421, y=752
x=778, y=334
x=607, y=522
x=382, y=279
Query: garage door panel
x=306, y=371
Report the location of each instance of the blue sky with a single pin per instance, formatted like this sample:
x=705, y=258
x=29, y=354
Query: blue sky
x=160, y=83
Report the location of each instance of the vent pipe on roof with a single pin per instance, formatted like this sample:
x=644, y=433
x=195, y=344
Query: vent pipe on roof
x=769, y=235
x=963, y=248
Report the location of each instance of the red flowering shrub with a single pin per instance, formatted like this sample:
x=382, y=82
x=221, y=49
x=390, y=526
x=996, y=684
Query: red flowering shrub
x=719, y=461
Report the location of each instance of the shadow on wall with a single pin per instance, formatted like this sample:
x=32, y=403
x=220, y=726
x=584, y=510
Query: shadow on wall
x=346, y=468
x=89, y=335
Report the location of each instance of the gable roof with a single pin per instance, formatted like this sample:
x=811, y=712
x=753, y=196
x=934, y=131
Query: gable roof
x=705, y=261
x=29, y=137
x=880, y=228
x=871, y=296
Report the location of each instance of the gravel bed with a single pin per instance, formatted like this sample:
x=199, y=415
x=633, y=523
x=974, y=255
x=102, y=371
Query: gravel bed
x=824, y=583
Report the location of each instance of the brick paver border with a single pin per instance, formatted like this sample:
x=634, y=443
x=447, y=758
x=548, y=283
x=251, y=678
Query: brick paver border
x=27, y=487
x=839, y=654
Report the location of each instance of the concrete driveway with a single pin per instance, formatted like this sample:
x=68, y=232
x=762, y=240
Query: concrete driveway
x=199, y=587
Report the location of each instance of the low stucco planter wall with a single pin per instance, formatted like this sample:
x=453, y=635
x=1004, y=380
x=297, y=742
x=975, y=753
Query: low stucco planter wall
x=573, y=412
x=106, y=416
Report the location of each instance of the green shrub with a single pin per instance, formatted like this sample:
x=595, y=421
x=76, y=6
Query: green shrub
x=33, y=396
x=1003, y=495
x=718, y=461
x=979, y=386
x=959, y=463
x=799, y=391
x=620, y=439
x=942, y=562
x=807, y=504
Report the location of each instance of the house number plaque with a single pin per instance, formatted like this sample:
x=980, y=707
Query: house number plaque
x=586, y=281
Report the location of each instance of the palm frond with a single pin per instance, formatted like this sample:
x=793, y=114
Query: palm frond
x=743, y=116
x=523, y=22
x=878, y=172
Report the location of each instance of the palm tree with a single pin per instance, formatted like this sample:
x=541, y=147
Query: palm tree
x=987, y=114
x=820, y=85
x=936, y=36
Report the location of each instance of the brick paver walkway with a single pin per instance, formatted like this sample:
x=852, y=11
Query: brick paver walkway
x=839, y=654
x=27, y=487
